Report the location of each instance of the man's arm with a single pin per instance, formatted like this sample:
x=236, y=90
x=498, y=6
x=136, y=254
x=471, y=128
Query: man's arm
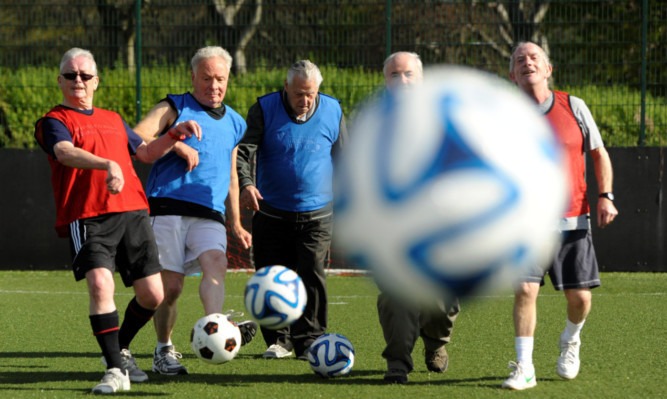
x=606, y=211
x=151, y=152
x=158, y=120
x=74, y=157
x=247, y=148
x=249, y=144
x=342, y=139
x=233, y=207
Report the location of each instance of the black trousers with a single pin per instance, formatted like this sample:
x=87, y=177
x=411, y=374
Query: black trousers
x=402, y=324
x=299, y=241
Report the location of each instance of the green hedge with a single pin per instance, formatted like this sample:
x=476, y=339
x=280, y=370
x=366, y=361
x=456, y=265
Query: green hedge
x=29, y=92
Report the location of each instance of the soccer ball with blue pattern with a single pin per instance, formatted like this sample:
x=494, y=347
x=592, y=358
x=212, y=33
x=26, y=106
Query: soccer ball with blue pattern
x=450, y=188
x=331, y=355
x=275, y=297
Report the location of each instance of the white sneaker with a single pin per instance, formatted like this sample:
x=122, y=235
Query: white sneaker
x=568, y=362
x=276, y=351
x=114, y=380
x=519, y=378
x=129, y=364
x=166, y=362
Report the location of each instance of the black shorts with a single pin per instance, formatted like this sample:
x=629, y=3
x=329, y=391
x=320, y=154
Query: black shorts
x=574, y=264
x=122, y=241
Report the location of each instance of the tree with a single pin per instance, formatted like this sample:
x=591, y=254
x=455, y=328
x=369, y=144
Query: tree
x=229, y=10
x=516, y=21
x=118, y=25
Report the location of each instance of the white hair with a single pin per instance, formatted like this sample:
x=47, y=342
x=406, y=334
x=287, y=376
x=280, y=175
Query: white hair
x=390, y=59
x=305, y=70
x=207, y=52
x=77, y=52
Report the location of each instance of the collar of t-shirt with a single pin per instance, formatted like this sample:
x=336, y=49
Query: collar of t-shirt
x=547, y=104
x=215, y=113
x=308, y=114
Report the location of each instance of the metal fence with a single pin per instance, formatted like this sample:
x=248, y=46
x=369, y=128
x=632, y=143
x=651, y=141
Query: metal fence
x=610, y=53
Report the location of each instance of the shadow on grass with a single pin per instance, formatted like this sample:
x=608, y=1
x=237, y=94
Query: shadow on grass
x=23, y=355
x=30, y=374
x=39, y=377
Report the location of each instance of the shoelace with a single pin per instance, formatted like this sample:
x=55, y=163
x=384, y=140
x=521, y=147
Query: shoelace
x=171, y=357
x=232, y=314
x=111, y=379
x=570, y=353
x=130, y=363
x=515, y=368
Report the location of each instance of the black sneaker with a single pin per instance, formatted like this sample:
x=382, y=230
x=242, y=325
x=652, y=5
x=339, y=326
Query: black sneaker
x=248, y=330
x=396, y=376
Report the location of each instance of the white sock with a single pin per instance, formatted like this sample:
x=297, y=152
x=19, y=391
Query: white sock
x=572, y=331
x=524, y=351
x=161, y=345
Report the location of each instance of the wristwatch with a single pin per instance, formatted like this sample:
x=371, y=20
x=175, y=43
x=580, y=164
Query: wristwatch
x=609, y=196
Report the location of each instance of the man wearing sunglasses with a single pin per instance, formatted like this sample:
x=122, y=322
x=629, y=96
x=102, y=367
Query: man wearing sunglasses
x=189, y=191
x=102, y=207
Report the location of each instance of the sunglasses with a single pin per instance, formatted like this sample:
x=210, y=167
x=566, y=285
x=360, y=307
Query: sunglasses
x=72, y=76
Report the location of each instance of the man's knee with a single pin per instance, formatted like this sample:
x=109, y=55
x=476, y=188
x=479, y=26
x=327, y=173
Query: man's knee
x=579, y=298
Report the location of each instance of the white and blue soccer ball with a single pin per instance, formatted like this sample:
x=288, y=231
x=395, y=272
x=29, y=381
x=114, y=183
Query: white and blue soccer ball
x=215, y=339
x=331, y=355
x=275, y=297
x=451, y=188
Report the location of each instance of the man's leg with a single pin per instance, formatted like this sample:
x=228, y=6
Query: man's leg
x=165, y=359
x=525, y=321
x=400, y=327
x=148, y=296
x=103, y=314
x=312, y=246
x=436, y=330
x=272, y=242
x=576, y=272
x=578, y=307
x=212, y=285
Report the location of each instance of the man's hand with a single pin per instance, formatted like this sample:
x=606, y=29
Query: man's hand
x=114, y=180
x=244, y=237
x=250, y=197
x=189, y=154
x=606, y=212
x=183, y=130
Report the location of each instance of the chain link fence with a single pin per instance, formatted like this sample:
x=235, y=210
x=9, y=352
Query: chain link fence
x=610, y=53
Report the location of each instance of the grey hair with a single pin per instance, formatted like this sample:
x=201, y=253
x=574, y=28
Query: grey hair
x=207, y=52
x=306, y=70
x=518, y=45
x=389, y=60
x=77, y=52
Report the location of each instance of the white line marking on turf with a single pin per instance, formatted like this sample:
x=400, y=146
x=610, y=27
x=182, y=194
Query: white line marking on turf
x=330, y=297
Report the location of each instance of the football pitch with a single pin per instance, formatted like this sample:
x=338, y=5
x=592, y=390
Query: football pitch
x=47, y=349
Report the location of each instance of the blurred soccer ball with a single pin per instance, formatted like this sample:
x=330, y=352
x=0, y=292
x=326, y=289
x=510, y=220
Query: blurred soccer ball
x=215, y=339
x=331, y=355
x=451, y=188
x=275, y=296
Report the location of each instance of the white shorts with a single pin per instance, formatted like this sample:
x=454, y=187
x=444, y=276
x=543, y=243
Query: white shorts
x=182, y=239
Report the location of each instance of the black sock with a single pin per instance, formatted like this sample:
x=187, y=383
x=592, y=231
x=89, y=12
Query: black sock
x=105, y=329
x=136, y=317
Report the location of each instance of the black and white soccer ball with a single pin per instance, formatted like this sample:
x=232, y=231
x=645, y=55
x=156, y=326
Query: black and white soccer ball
x=451, y=188
x=275, y=297
x=215, y=339
x=331, y=355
